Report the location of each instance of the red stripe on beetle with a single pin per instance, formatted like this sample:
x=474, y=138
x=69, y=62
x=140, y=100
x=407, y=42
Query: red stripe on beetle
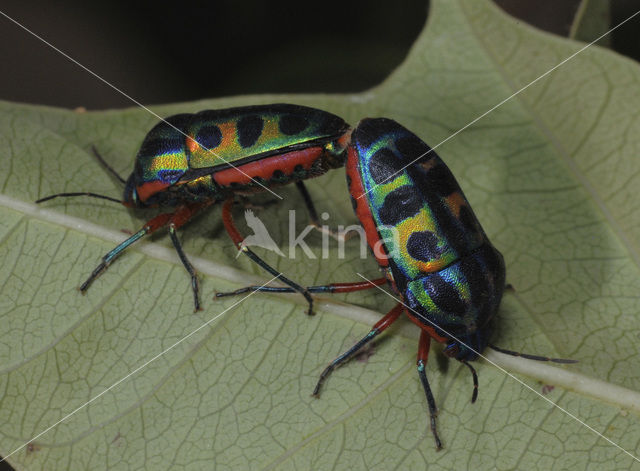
x=363, y=212
x=148, y=189
x=265, y=168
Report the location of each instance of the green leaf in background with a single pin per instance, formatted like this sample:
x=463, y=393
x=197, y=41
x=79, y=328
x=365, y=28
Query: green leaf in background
x=552, y=174
x=591, y=21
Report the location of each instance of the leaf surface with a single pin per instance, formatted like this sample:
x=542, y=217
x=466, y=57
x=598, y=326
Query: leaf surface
x=552, y=174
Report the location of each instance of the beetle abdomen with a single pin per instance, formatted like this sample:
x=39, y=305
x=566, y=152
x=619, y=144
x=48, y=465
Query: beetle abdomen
x=440, y=259
x=213, y=153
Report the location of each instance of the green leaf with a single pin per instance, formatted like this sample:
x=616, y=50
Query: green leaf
x=592, y=20
x=552, y=174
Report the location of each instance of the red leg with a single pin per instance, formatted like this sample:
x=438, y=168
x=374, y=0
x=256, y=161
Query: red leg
x=237, y=238
x=377, y=329
x=174, y=220
x=182, y=215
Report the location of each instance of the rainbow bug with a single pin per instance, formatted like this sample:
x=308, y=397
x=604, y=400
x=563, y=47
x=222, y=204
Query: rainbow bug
x=433, y=252
x=191, y=161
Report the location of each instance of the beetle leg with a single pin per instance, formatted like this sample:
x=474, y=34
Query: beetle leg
x=423, y=355
x=187, y=264
x=179, y=218
x=379, y=327
x=474, y=395
x=237, y=238
x=174, y=220
x=148, y=228
x=330, y=288
x=313, y=215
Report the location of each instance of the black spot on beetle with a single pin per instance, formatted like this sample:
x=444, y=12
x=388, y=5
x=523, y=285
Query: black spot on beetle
x=399, y=205
x=444, y=295
x=249, y=130
x=423, y=246
x=384, y=166
x=209, y=137
x=291, y=125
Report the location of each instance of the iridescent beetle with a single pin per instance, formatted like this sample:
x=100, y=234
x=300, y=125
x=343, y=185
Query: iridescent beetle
x=429, y=244
x=190, y=161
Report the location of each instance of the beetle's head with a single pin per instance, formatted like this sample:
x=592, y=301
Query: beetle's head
x=467, y=347
x=463, y=325
x=139, y=193
x=131, y=199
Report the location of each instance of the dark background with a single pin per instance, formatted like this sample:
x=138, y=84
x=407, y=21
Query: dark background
x=161, y=52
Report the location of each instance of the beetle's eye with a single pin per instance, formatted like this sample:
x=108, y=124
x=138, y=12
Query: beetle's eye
x=130, y=194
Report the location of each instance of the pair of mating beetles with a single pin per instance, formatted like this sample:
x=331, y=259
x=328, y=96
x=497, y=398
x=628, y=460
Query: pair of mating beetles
x=434, y=254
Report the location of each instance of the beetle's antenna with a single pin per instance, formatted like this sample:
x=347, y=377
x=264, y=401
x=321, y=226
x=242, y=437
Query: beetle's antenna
x=532, y=357
x=107, y=166
x=88, y=193
x=84, y=193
